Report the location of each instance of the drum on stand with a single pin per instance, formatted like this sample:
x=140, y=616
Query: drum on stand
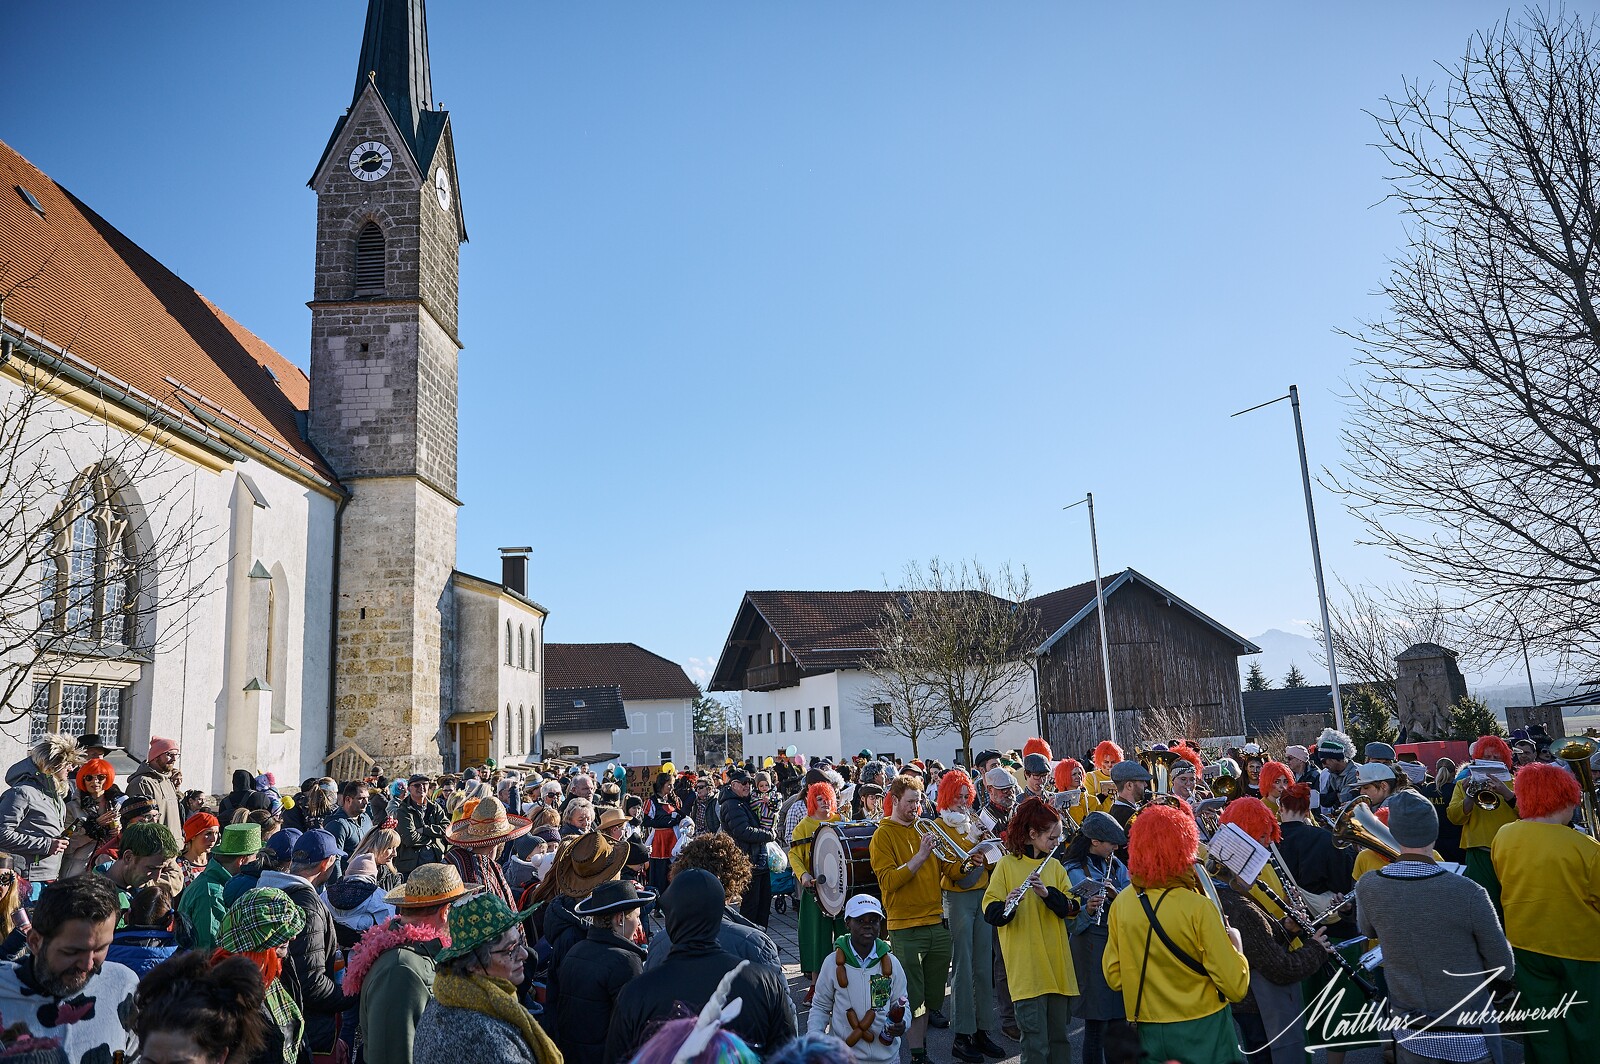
x=842, y=863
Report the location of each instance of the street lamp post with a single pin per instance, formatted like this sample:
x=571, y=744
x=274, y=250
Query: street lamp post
x=1100, y=612
x=1316, y=550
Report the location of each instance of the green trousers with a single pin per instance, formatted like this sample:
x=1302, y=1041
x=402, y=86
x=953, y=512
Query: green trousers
x=971, y=962
x=1543, y=980
x=1480, y=869
x=1045, y=1021
x=1208, y=1040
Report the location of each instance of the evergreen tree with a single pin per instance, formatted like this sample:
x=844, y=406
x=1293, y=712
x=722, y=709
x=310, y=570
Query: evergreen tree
x=1472, y=717
x=1368, y=719
x=1294, y=678
x=1255, y=679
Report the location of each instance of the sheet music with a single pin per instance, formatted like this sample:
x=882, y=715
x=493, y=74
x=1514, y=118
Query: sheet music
x=1488, y=769
x=1238, y=852
x=1372, y=958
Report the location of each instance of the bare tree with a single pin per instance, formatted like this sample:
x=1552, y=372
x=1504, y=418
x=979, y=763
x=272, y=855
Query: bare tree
x=1474, y=445
x=84, y=575
x=1371, y=626
x=954, y=643
x=897, y=697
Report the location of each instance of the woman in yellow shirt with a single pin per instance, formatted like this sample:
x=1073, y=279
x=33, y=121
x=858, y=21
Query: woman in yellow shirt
x=1101, y=792
x=816, y=932
x=1181, y=1009
x=1033, y=931
x=1479, y=825
x=1549, y=878
x=1275, y=779
x=1071, y=797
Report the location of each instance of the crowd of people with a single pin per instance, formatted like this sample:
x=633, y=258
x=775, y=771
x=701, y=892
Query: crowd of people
x=543, y=913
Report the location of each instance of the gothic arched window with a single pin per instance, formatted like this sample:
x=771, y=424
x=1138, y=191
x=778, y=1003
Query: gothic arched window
x=522, y=647
x=508, y=642
x=522, y=727
x=87, y=586
x=370, y=255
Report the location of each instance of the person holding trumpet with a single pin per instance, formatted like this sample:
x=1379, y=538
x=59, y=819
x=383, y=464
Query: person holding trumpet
x=1482, y=808
x=971, y=939
x=1029, y=900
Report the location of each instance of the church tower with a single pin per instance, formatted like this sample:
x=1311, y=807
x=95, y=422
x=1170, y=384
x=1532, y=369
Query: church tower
x=383, y=390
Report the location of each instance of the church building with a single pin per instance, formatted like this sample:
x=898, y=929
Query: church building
x=200, y=541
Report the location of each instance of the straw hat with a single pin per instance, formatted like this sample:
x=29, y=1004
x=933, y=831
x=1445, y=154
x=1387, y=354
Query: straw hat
x=583, y=863
x=429, y=885
x=487, y=825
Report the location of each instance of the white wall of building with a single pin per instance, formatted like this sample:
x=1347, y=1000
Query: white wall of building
x=499, y=653
x=587, y=742
x=656, y=725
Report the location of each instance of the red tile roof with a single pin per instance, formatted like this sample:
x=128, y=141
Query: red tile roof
x=108, y=302
x=638, y=672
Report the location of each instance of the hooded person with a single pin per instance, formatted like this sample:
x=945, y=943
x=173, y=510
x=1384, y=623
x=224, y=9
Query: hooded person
x=356, y=902
x=693, y=905
x=243, y=796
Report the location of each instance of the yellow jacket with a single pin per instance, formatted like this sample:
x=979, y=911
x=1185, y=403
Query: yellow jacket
x=1479, y=825
x=1550, y=889
x=978, y=879
x=1092, y=798
x=800, y=843
x=910, y=899
x=1172, y=992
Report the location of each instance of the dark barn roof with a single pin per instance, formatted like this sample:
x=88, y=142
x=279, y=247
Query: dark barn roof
x=571, y=709
x=638, y=672
x=1264, y=709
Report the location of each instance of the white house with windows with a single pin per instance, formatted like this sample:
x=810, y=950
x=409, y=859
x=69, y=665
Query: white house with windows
x=656, y=724
x=499, y=697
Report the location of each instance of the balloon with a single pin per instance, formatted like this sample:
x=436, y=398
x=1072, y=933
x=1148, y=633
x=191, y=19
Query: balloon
x=668, y=769
x=767, y=763
x=791, y=751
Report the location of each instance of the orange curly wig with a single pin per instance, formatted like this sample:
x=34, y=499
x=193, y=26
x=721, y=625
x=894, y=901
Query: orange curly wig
x=1493, y=746
x=951, y=784
x=1544, y=789
x=1271, y=773
x=1063, y=773
x=1382, y=813
x=1037, y=746
x=1106, y=754
x=1254, y=819
x=819, y=792
x=1297, y=799
x=1161, y=846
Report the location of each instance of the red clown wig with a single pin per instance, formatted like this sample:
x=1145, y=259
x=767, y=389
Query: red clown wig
x=1271, y=773
x=1106, y=754
x=1297, y=799
x=819, y=793
x=951, y=786
x=1189, y=754
x=1253, y=818
x=97, y=766
x=1493, y=746
x=1545, y=789
x=1063, y=773
x=1037, y=746
x=1161, y=846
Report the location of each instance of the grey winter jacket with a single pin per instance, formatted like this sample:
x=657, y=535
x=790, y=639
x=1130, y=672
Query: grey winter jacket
x=447, y=1035
x=148, y=783
x=32, y=817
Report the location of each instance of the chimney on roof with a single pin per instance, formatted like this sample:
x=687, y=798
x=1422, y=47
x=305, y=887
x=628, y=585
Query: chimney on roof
x=514, y=568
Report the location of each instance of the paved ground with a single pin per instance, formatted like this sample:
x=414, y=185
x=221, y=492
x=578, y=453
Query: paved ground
x=783, y=930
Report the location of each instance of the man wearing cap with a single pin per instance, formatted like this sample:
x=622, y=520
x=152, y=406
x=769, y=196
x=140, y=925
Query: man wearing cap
x=1000, y=793
x=740, y=821
x=202, y=900
x=1375, y=782
x=391, y=968
x=421, y=823
x=862, y=987
x=1298, y=759
x=1129, y=777
x=1440, y=939
x=1035, y=770
x=1336, y=783
x=155, y=780
x=313, y=953
x=596, y=969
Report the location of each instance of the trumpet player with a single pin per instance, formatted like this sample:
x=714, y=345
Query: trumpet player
x=1102, y=789
x=1096, y=877
x=1028, y=900
x=1177, y=996
x=1550, y=886
x=1070, y=797
x=971, y=938
x=1481, y=817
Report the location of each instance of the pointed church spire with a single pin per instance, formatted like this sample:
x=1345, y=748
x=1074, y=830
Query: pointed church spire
x=394, y=54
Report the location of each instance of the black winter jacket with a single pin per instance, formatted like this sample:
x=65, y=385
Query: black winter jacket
x=422, y=829
x=592, y=975
x=693, y=906
x=739, y=820
x=312, y=954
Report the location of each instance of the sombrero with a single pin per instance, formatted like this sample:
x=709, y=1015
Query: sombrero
x=429, y=885
x=487, y=825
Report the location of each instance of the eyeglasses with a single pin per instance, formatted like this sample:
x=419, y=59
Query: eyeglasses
x=95, y=776
x=519, y=946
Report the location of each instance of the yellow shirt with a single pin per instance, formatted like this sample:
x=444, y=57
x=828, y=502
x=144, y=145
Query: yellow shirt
x=979, y=877
x=1037, y=954
x=1172, y=992
x=1478, y=827
x=1550, y=889
x=800, y=844
x=910, y=899
x=1092, y=798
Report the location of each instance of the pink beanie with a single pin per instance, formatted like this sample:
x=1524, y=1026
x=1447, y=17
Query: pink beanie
x=159, y=746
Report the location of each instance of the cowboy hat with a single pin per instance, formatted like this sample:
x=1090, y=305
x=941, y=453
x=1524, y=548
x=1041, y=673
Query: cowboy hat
x=487, y=825
x=582, y=864
x=616, y=895
x=610, y=817
x=429, y=885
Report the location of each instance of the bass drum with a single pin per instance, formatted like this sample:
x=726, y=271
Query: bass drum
x=841, y=863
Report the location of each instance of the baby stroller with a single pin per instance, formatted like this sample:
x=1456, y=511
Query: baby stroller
x=784, y=885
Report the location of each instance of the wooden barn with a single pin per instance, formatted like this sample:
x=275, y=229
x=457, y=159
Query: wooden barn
x=1166, y=656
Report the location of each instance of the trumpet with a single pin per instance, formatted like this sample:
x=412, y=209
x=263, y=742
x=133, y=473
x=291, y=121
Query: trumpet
x=945, y=848
x=1483, y=793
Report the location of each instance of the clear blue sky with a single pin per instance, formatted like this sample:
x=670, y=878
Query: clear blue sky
x=784, y=295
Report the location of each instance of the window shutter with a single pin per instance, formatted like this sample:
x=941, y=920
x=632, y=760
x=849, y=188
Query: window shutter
x=369, y=261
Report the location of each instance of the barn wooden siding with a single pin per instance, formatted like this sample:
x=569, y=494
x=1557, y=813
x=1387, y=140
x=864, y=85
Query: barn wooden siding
x=1161, y=656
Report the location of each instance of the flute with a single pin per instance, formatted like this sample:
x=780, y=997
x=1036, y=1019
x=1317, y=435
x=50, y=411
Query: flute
x=1014, y=899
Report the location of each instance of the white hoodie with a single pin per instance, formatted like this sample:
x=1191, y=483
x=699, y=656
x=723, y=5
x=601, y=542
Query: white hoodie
x=831, y=1004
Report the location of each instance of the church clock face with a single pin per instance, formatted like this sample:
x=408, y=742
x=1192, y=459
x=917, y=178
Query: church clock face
x=441, y=188
x=371, y=160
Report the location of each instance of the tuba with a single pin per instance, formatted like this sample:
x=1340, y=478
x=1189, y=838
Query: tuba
x=1359, y=826
x=1576, y=750
x=1159, y=764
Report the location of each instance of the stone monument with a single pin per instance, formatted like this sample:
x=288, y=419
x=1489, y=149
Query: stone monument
x=1427, y=685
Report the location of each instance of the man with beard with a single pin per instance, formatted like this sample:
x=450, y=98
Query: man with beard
x=63, y=989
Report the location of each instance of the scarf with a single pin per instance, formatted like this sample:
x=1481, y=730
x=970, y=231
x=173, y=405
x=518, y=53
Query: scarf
x=278, y=1002
x=496, y=999
x=377, y=941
